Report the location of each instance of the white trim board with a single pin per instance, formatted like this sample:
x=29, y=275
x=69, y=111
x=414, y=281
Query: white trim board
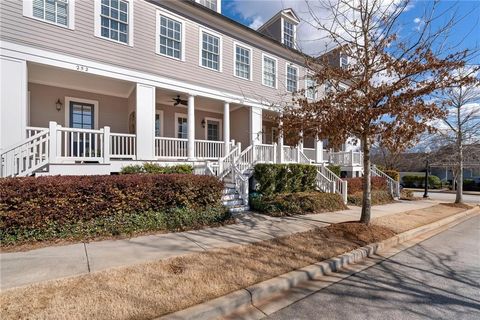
x=220, y=127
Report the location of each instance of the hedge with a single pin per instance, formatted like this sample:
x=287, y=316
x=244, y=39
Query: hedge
x=335, y=169
x=470, y=185
x=297, y=203
x=414, y=181
x=79, y=207
x=355, y=185
x=378, y=197
x=155, y=168
x=394, y=174
x=284, y=178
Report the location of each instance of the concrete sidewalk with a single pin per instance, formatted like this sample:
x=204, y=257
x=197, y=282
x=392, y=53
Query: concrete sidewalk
x=21, y=268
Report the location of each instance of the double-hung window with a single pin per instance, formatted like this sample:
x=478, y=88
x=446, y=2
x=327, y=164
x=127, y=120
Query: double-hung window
x=243, y=62
x=269, y=71
x=115, y=17
x=170, y=33
x=181, y=126
x=211, y=51
x=211, y=4
x=288, y=34
x=57, y=12
x=292, y=78
x=310, y=87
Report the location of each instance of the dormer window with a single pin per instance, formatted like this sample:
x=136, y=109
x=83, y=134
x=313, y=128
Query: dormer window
x=211, y=4
x=343, y=61
x=288, y=34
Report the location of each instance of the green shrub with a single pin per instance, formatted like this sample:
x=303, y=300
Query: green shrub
x=48, y=208
x=470, y=185
x=284, y=178
x=378, y=197
x=156, y=168
x=355, y=185
x=415, y=181
x=297, y=203
x=335, y=169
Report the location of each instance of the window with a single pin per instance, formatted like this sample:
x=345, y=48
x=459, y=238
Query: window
x=181, y=126
x=81, y=115
x=343, y=61
x=310, y=87
x=210, y=53
x=170, y=37
x=288, y=34
x=269, y=71
x=159, y=123
x=292, y=78
x=211, y=4
x=114, y=20
x=213, y=129
x=58, y=12
x=243, y=63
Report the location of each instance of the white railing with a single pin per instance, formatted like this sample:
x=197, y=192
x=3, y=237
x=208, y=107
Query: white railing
x=26, y=157
x=309, y=153
x=338, y=185
x=207, y=149
x=326, y=155
x=80, y=144
x=123, y=146
x=171, y=148
x=290, y=154
x=265, y=153
x=302, y=158
x=392, y=184
x=346, y=158
x=31, y=131
x=246, y=159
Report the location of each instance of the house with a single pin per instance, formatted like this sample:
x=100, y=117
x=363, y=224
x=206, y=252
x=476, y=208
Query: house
x=91, y=86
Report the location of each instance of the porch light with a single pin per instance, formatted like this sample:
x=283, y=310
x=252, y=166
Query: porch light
x=203, y=123
x=58, y=104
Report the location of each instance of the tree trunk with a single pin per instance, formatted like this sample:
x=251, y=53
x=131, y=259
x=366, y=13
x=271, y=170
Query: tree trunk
x=367, y=183
x=459, y=197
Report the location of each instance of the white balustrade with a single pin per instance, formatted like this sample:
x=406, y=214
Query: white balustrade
x=123, y=146
x=170, y=148
x=310, y=153
x=80, y=144
x=290, y=154
x=207, y=149
x=31, y=131
x=346, y=158
x=265, y=153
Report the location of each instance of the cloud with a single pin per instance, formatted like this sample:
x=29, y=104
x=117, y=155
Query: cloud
x=419, y=23
x=257, y=22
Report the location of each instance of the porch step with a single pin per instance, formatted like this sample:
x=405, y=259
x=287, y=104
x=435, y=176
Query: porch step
x=227, y=191
x=229, y=185
x=230, y=196
x=238, y=209
x=233, y=202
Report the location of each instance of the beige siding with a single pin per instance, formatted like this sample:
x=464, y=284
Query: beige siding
x=82, y=43
x=274, y=30
x=240, y=126
x=112, y=111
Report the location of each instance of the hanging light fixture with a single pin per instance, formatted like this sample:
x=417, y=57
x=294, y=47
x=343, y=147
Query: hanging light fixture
x=58, y=104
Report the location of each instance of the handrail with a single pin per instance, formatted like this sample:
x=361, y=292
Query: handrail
x=339, y=186
x=393, y=185
x=302, y=158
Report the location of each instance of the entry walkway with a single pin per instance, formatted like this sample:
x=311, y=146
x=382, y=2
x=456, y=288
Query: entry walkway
x=21, y=268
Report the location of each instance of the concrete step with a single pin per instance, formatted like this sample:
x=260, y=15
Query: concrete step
x=227, y=191
x=233, y=203
x=240, y=208
x=230, y=196
x=230, y=185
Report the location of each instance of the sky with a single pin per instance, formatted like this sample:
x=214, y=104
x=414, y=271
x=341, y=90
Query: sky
x=253, y=13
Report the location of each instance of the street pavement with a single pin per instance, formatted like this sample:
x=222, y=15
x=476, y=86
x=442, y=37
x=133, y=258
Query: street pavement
x=437, y=279
x=449, y=197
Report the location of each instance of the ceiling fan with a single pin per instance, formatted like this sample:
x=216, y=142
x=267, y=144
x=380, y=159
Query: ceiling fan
x=179, y=101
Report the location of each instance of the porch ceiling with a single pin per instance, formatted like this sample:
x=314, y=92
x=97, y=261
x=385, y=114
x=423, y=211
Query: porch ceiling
x=78, y=80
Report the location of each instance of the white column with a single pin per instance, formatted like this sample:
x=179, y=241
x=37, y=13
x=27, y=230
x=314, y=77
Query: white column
x=145, y=122
x=106, y=144
x=255, y=125
x=226, y=127
x=318, y=150
x=13, y=101
x=53, y=145
x=280, y=154
x=191, y=128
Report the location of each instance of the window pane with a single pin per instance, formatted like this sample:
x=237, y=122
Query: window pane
x=210, y=51
x=170, y=37
x=115, y=18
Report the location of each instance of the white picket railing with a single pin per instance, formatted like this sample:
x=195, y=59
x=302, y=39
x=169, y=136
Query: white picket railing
x=346, y=158
x=225, y=163
x=392, y=184
x=309, y=153
x=207, y=149
x=31, y=131
x=26, y=157
x=302, y=158
x=123, y=146
x=80, y=144
x=290, y=154
x=338, y=185
x=265, y=153
x=171, y=148
x=246, y=159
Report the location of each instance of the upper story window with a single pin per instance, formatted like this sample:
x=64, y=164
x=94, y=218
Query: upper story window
x=269, y=71
x=292, y=78
x=170, y=35
x=288, y=34
x=310, y=87
x=211, y=4
x=211, y=51
x=114, y=20
x=343, y=61
x=58, y=12
x=243, y=62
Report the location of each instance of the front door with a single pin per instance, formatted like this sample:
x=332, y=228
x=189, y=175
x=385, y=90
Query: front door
x=82, y=117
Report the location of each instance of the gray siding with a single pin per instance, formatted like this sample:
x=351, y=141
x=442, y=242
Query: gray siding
x=274, y=30
x=82, y=43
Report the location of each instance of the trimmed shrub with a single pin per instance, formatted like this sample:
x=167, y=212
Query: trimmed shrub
x=284, y=178
x=48, y=208
x=297, y=203
x=378, y=197
x=415, y=181
x=335, y=169
x=355, y=185
x=156, y=168
x=406, y=194
x=394, y=174
x=470, y=185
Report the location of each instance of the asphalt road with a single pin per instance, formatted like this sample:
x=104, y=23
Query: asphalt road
x=436, y=279
x=449, y=197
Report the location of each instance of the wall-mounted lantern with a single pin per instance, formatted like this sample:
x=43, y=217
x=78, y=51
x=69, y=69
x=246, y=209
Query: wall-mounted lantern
x=58, y=104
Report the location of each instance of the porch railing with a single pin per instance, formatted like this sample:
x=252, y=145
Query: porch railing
x=265, y=153
x=290, y=154
x=310, y=153
x=171, y=148
x=207, y=149
x=80, y=144
x=31, y=131
x=346, y=158
x=123, y=146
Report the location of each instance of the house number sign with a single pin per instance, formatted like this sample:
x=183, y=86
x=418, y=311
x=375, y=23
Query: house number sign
x=81, y=68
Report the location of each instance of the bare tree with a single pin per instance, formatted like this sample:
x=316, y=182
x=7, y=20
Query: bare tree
x=380, y=94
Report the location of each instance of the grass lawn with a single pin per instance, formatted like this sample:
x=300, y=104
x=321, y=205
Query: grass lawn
x=153, y=289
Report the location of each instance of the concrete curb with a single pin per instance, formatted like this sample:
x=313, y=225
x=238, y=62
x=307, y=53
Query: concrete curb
x=248, y=298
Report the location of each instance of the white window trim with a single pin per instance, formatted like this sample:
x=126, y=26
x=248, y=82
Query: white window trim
x=219, y=5
x=239, y=44
x=28, y=12
x=160, y=113
x=98, y=23
x=179, y=115
x=177, y=18
x=294, y=31
x=201, y=30
x=81, y=100
x=288, y=64
x=263, y=69
x=310, y=74
x=220, y=137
